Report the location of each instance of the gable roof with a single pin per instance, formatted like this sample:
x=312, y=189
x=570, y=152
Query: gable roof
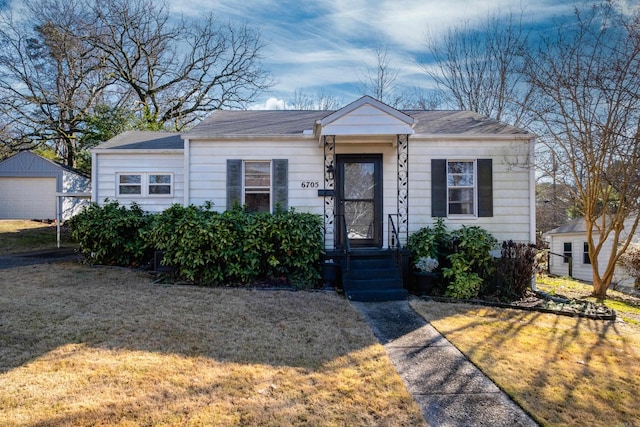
x=365, y=115
x=26, y=163
x=293, y=122
x=144, y=140
x=576, y=225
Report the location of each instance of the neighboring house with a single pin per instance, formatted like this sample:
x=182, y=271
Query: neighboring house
x=29, y=185
x=366, y=168
x=569, y=241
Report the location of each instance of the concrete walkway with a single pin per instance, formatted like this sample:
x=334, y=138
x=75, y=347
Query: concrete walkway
x=449, y=389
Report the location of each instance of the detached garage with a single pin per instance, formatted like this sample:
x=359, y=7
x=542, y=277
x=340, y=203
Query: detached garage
x=28, y=187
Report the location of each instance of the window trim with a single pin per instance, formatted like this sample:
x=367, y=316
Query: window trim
x=586, y=260
x=474, y=187
x=269, y=188
x=145, y=184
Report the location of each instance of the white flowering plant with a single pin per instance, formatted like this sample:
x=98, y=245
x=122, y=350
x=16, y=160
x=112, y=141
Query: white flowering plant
x=426, y=264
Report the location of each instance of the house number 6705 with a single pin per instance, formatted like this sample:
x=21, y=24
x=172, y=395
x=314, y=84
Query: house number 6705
x=310, y=184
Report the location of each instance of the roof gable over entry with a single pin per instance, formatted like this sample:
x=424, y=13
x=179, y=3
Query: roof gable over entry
x=366, y=116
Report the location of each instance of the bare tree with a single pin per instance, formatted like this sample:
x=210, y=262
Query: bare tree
x=321, y=101
x=63, y=60
x=178, y=71
x=50, y=76
x=587, y=77
x=381, y=80
x=478, y=69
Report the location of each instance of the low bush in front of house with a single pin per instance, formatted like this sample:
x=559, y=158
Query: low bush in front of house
x=237, y=247
x=110, y=234
x=466, y=268
x=203, y=246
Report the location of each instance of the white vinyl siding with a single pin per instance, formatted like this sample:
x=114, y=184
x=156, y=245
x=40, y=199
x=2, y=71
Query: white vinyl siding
x=151, y=168
x=511, y=218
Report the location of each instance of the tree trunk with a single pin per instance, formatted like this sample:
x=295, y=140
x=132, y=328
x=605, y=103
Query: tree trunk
x=600, y=287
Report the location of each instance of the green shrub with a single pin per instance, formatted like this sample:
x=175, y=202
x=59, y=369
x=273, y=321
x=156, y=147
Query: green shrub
x=432, y=242
x=464, y=256
x=112, y=234
x=471, y=261
x=238, y=247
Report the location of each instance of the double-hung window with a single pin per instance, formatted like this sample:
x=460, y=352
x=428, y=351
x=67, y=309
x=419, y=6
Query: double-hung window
x=144, y=184
x=257, y=186
x=461, y=187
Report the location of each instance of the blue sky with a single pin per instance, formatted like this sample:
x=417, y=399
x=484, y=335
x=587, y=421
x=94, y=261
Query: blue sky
x=326, y=45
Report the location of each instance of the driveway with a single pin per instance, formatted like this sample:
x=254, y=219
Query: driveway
x=39, y=257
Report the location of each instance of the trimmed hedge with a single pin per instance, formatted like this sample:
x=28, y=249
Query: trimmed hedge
x=207, y=247
x=110, y=234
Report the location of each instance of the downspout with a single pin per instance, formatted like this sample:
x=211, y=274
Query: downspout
x=186, y=179
x=532, y=201
x=94, y=177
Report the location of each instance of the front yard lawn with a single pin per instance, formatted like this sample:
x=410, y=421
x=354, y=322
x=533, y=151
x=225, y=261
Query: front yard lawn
x=86, y=345
x=562, y=370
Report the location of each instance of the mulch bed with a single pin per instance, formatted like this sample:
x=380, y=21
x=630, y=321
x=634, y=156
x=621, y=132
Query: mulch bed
x=544, y=303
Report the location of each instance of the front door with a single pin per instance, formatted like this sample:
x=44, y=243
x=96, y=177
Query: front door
x=359, y=200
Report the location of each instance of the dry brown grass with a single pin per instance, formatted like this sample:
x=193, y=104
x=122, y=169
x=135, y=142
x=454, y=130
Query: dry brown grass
x=105, y=346
x=563, y=370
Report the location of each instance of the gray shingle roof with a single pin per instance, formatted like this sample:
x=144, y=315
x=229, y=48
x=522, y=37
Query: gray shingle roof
x=256, y=122
x=144, y=140
x=288, y=122
x=576, y=225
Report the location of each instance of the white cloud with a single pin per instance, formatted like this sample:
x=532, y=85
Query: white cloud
x=270, y=104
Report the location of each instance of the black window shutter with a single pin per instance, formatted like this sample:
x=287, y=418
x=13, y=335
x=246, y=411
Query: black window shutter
x=438, y=187
x=485, y=187
x=234, y=183
x=280, y=184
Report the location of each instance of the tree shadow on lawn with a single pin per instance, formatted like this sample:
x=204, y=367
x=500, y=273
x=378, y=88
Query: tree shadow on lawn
x=46, y=306
x=86, y=345
x=560, y=369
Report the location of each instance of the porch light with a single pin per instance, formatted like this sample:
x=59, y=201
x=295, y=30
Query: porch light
x=330, y=171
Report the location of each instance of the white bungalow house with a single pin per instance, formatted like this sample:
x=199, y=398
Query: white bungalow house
x=375, y=174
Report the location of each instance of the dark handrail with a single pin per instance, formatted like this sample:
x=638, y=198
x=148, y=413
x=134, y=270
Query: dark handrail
x=394, y=241
x=347, y=244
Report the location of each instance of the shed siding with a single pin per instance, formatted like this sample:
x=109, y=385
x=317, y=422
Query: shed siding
x=112, y=164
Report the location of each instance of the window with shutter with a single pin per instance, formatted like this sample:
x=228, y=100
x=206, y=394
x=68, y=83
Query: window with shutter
x=258, y=185
x=461, y=188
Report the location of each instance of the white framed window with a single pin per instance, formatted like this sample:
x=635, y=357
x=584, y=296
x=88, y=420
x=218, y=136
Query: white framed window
x=586, y=259
x=144, y=184
x=461, y=188
x=129, y=184
x=257, y=185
